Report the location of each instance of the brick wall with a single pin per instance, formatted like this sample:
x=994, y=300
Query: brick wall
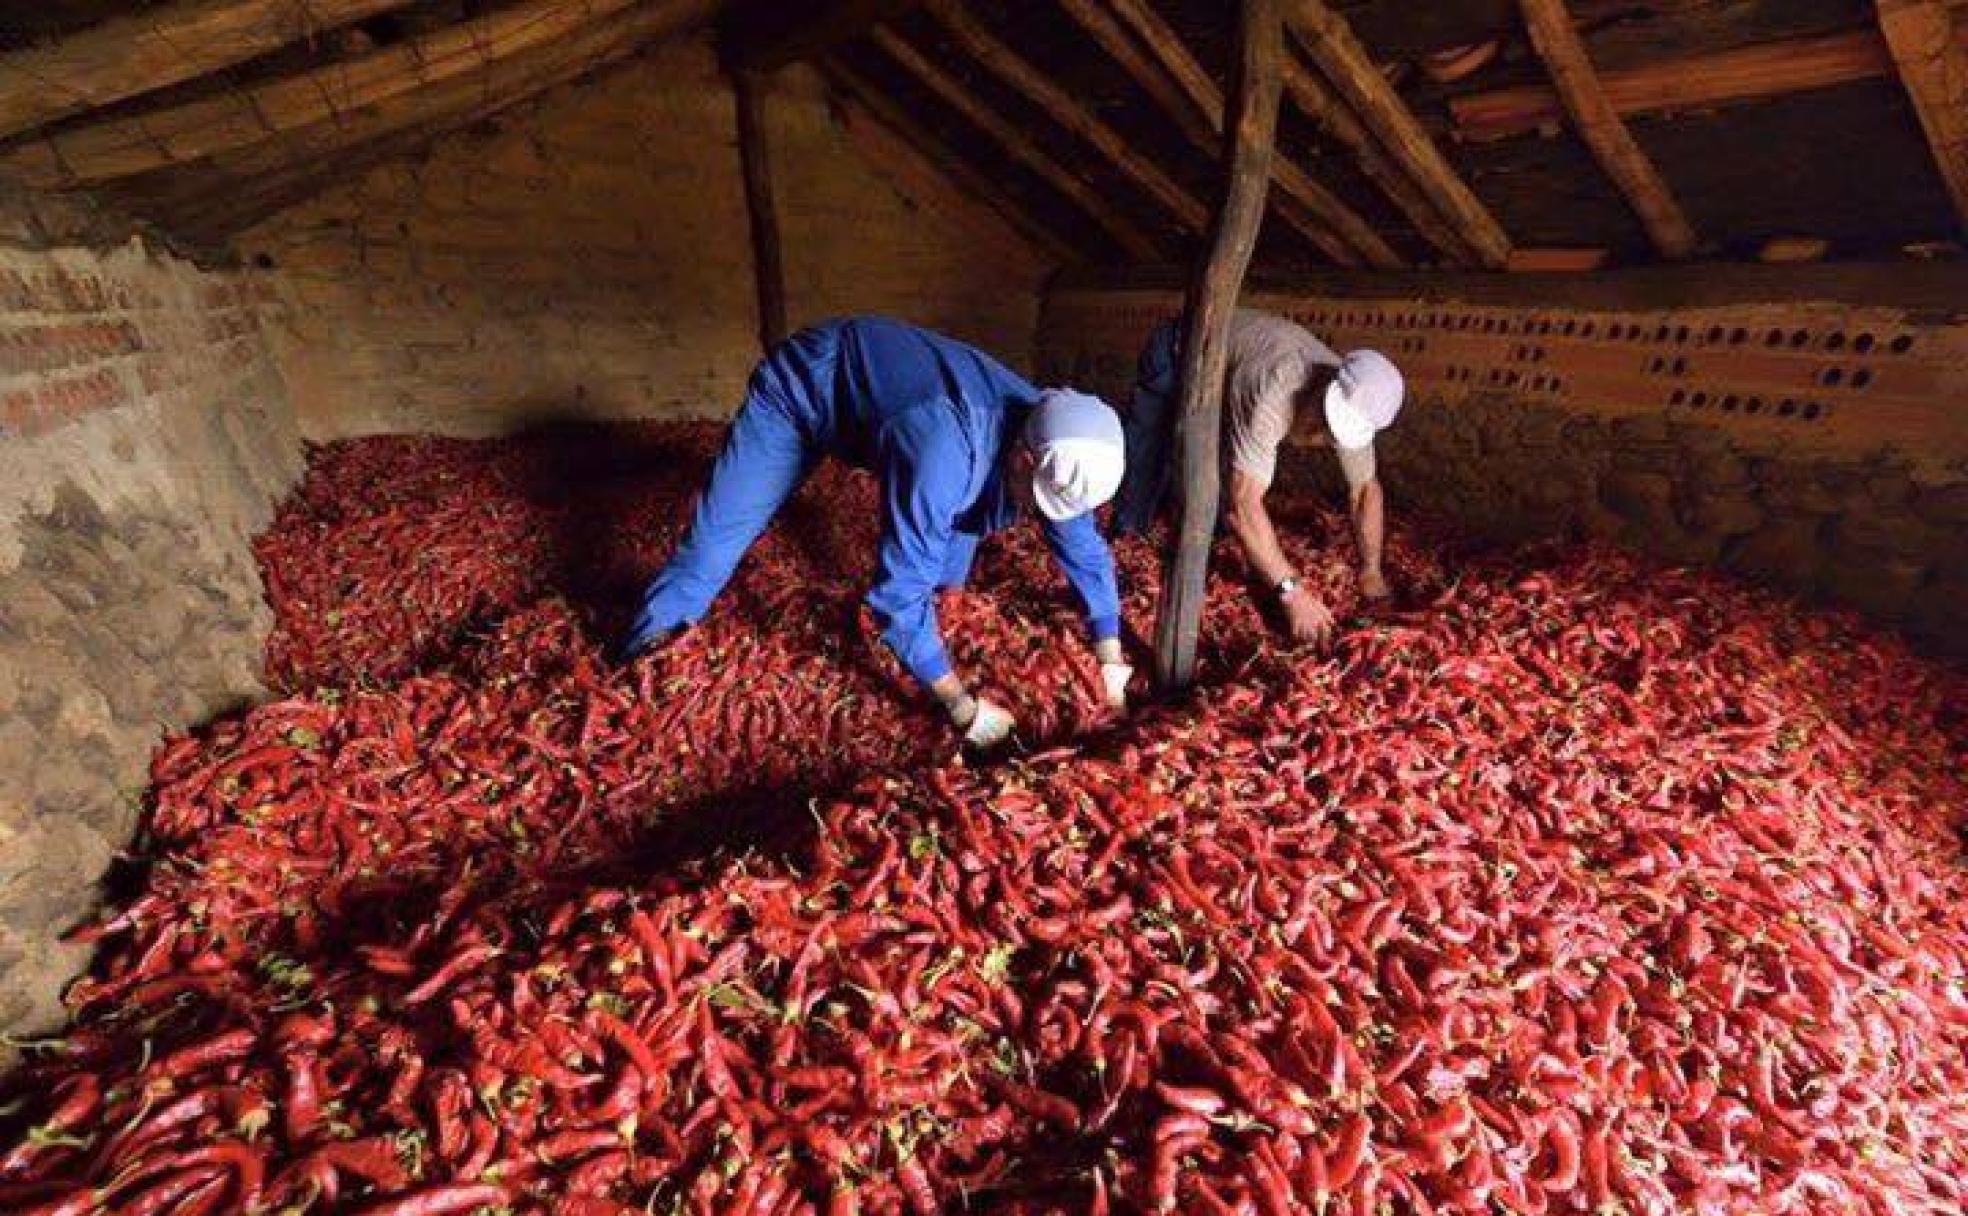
x=144, y=435
x=1812, y=442
x=588, y=256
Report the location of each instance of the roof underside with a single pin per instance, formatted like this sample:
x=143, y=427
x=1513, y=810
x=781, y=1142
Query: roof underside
x=1077, y=114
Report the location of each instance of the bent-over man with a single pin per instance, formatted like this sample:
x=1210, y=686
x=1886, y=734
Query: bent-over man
x=960, y=445
x=1276, y=373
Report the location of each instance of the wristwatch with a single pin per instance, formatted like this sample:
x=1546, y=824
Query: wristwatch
x=1286, y=586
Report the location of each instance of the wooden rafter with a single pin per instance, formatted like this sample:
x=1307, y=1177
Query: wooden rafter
x=1020, y=146
x=867, y=106
x=1249, y=140
x=1021, y=77
x=1316, y=100
x=1697, y=82
x=156, y=48
x=221, y=195
x=1099, y=21
x=1326, y=220
x=123, y=147
x=763, y=35
x=1558, y=43
x=1330, y=43
x=1926, y=46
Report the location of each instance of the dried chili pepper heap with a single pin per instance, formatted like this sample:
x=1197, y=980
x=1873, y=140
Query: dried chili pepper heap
x=1585, y=886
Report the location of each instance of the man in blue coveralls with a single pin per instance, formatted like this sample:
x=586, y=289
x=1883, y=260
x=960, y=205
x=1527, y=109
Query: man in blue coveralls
x=959, y=444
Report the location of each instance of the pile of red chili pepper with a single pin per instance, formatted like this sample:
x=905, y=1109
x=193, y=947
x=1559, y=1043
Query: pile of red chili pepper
x=1574, y=885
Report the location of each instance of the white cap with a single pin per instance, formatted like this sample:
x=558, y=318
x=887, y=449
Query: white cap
x=1363, y=398
x=1076, y=441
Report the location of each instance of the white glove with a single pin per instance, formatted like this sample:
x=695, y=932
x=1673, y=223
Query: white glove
x=990, y=727
x=1114, y=679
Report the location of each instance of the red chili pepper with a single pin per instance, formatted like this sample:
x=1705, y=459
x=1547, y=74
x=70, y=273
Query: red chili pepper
x=441, y=1200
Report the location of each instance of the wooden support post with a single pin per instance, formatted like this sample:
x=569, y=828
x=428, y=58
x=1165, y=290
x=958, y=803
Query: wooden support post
x=1020, y=145
x=1319, y=215
x=1331, y=44
x=755, y=154
x=1060, y=105
x=1927, y=49
x=1248, y=140
x=1558, y=43
x=865, y=104
x=161, y=46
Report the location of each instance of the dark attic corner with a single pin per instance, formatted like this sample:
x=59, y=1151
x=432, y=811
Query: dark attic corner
x=913, y=606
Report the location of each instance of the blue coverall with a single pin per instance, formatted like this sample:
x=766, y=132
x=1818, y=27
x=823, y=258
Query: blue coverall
x=931, y=418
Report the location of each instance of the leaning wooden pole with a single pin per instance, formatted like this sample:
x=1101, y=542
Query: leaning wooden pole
x=1248, y=137
x=755, y=155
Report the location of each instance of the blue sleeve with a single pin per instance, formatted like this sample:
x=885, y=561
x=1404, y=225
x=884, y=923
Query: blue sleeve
x=1089, y=565
x=923, y=462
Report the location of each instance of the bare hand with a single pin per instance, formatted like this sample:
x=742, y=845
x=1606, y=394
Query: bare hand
x=1373, y=585
x=1309, y=618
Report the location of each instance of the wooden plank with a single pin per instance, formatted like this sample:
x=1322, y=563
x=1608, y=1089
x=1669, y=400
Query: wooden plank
x=214, y=198
x=1926, y=45
x=1315, y=99
x=755, y=158
x=125, y=146
x=1249, y=137
x=1557, y=42
x=869, y=113
x=768, y=34
x=156, y=48
x=1339, y=231
x=1696, y=82
x=1059, y=105
x=1331, y=45
x=1555, y=261
x=1020, y=146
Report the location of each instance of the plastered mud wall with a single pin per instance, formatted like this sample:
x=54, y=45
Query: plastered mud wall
x=588, y=256
x=1807, y=431
x=144, y=436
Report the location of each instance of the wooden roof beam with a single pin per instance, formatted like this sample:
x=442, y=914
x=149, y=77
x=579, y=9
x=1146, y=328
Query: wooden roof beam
x=1926, y=46
x=1059, y=105
x=764, y=35
x=868, y=111
x=1020, y=146
x=1330, y=42
x=1322, y=217
x=1098, y=20
x=226, y=193
x=155, y=139
x=156, y=48
x=1315, y=99
x=1697, y=82
x=1557, y=42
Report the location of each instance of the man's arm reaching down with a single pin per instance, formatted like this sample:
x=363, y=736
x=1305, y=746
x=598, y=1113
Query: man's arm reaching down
x=1310, y=619
x=1369, y=532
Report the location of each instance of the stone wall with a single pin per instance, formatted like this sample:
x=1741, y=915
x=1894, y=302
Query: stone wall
x=144, y=436
x=588, y=256
x=1803, y=430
